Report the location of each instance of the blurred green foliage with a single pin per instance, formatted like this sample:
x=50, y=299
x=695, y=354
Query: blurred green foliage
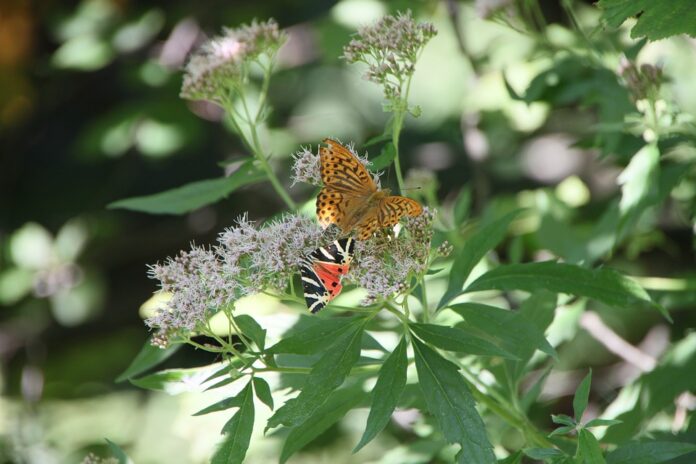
x=524, y=105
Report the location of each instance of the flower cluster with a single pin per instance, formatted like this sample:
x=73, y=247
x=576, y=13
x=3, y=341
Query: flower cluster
x=385, y=264
x=643, y=82
x=222, y=61
x=246, y=261
x=306, y=166
x=390, y=48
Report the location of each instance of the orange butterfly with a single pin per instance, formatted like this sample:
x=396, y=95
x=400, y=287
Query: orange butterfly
x=351, y=200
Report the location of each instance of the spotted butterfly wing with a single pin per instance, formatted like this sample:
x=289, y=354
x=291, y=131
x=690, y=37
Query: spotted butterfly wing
x=351, y=200
x=322, y=271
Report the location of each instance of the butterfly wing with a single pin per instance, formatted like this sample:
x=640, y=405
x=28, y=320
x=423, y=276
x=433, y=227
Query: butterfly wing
x=343, y=172
x=386, y=213
x=322, y=272
x=347, y=186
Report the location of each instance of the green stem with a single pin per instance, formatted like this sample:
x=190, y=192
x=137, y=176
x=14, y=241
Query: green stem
x=396, y=131
x=255, y=145
x=424, y=300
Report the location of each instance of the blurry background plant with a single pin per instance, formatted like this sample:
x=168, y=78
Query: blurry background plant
x=562, y=109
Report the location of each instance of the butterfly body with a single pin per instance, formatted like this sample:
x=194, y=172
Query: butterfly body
x=350, y=198
x=322, y=271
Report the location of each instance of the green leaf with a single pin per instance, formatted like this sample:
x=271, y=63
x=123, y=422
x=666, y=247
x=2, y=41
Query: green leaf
x=192, y=196
x=589, y=448
x=639, y=185
x=582, y=396
x=484, y=240
x=174, y=381
x=386, y=393
x=326, y=375
x=338, y=404
x=562, y=430
x=562, y=419
x=515, y=333
x=654, y=391
x=251, y=329
x=602, y=423
x=237, y=432
x=542, y=453
x=448, y=398
x=148, y=357
x=263, y=392
x=650, y=452
x=462, y=205
x=657, y=19
x=222, y=405
x=514, y=458
x=385, y=158
x=316, y=337
x=118, y=453
x=461, y=341
x=603, y=284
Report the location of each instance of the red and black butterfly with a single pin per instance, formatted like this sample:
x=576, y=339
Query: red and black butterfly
x=322, y=270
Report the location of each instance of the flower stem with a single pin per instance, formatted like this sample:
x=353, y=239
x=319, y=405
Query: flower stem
x=396, y=131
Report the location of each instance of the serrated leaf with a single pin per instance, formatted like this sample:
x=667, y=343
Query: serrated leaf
x=448, y=399
x=475, y=248
x=604, y=284
x=589, y=448
x=542, y=453
x=148, y=357
x=657, y=19
x=251, y=329
x=602, y=423
x=651, y=452
x=263, y=392
x=386, y=393
x=516, y=334
x=533, y=393
x=192, y=196
x=174, y=381
x=582, y=396
x=316, y=337
x=118, y=453
x=222, y=405
x=326, y=375
x=237, y=432
x=562, y=419
x=462, y=341
x=338, y=404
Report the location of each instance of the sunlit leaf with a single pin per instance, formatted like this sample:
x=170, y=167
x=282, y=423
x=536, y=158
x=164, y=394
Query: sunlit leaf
x=604, y=284
x=326, y=375
x=639, y=184
x=192, y=196
x=174, y=381
x=601, y=423
x=237, y=432
x=386, y=393
x=475, y=248
x=251, y=329
x=448, y=399
x=148, y=357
